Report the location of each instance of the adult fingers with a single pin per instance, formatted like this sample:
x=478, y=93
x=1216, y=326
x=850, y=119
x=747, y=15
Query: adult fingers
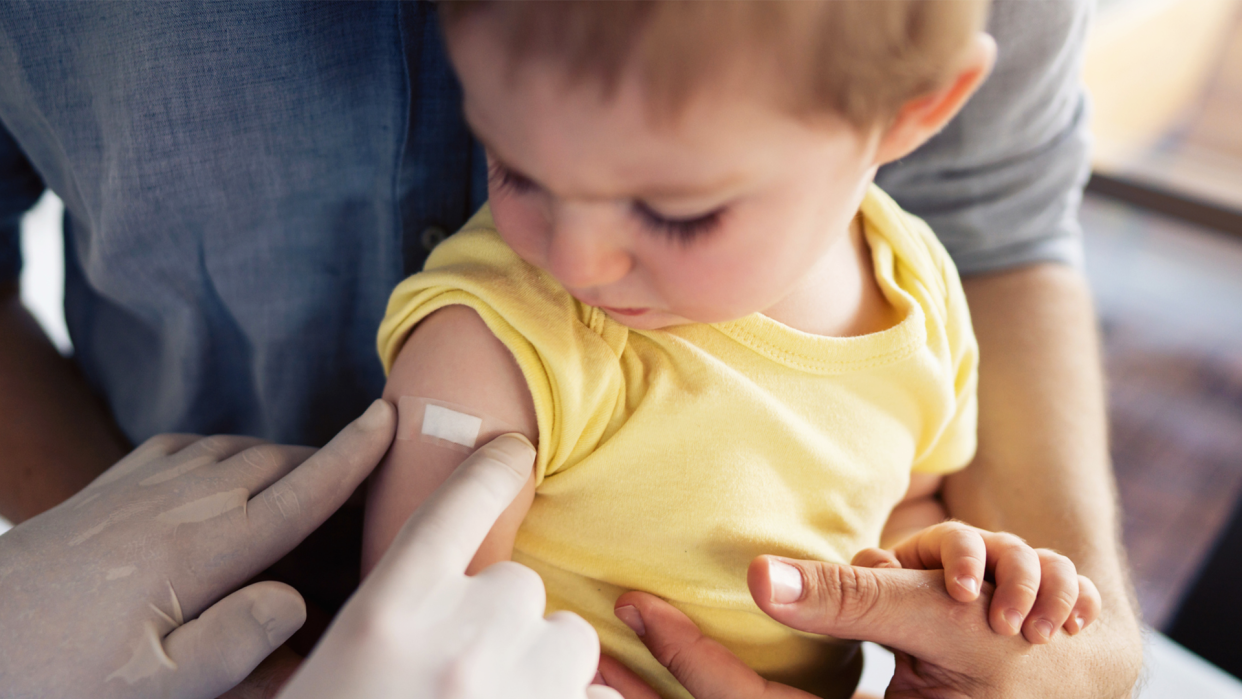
x=704, y=667
x=904, y=609
x=283, y=514
x=569, y=648
x=624, y=680
x=229, y=639
x=259, y=466
x=1058, y=591
x=442, y=535
x=1016, y=569
x=215, y=448
x=1087, y=608
x=155, y=448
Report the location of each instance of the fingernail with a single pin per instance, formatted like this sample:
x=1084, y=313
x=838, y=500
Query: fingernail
x=1043, y=627
x=375, y=417
x=1074, y=625
x=1014, y=618
x=630, y=616
x=518, y=451
x=786, y=582
x=968, y=583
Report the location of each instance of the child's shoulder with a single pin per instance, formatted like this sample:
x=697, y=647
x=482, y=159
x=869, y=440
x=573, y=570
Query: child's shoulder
x=913, y=243
x=909, y=254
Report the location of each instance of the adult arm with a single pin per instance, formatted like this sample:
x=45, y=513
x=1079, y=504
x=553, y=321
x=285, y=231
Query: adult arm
x=56, y=436
x=1001, y=186
x=1042, y=469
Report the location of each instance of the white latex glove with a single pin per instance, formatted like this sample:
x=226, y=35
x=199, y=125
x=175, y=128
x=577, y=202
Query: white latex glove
x=117, y=591
x=418, y=627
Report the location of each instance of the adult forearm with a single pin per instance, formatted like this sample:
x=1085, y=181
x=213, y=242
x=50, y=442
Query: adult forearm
x=55, y=436
x=1042, y=469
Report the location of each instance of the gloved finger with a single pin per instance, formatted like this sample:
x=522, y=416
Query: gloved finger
x=261, y=465
x=597, y=691
x=199, y=454
x=230, y=638
x=442, y=535
x=569, y=647
x=512, y=592
x=155, y=448
x=215, y=448
x=280, y=516
x=624, y=680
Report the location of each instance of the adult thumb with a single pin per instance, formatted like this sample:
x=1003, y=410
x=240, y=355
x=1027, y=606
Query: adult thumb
x=909, y=610
x=227, y=641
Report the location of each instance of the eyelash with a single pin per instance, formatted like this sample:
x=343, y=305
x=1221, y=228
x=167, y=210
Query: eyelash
x=680, y=230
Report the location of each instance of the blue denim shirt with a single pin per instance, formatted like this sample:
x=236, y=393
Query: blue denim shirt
x=245, y=183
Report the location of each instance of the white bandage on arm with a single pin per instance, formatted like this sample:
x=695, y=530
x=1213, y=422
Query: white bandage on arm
x=445, y=424
x=451, y=425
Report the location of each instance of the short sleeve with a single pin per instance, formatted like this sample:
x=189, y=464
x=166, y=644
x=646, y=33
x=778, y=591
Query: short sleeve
x=954, y=446
x=1002, y=183
x=20, y=188
x=553, y=338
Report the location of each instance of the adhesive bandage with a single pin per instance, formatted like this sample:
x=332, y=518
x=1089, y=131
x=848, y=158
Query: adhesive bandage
x=444, y=424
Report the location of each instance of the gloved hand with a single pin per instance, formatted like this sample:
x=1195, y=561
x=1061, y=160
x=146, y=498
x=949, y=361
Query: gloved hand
x=418, y=627
x=117, y=591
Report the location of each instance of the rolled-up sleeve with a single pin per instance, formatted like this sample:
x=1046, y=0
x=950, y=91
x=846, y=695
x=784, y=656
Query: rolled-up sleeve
x=1002, y=183
x=20, y=188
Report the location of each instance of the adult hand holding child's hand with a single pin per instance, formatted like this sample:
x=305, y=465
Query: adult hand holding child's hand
x=944, y=647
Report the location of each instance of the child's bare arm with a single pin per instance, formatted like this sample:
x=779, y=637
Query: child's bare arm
x=453, y=357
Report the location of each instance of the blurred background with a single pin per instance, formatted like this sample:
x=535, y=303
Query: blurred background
x=1163, y=222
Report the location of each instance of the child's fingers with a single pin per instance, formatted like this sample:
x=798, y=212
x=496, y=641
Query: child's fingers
x=1058, y=592
x=875, y=558
x=964, y=556
x=1016, y=569
x=1086, y=609
x=957, y=548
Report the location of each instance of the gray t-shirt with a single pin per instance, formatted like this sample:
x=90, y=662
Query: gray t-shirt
x=245, y=183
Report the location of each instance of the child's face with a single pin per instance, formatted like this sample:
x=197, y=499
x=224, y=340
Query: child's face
x=725, y=211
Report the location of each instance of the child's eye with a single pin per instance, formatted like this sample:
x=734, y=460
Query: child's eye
x=682, y=230
x=509, y=180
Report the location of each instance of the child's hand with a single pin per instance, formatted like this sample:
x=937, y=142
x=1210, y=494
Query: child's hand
x=1037, y=590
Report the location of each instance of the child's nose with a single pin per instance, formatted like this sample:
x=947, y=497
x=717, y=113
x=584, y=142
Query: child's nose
x=584, y=253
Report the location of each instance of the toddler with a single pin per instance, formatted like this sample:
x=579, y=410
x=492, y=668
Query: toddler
x=723, y=340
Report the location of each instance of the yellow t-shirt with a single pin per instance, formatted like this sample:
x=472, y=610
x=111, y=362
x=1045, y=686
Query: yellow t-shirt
x=669, y=459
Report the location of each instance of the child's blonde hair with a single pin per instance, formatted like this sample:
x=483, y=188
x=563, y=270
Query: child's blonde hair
x=861, y=59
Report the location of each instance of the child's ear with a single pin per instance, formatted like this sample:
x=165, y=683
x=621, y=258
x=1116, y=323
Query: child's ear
x=922, y=117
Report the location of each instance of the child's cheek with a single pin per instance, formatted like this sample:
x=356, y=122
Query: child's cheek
x=522, y=225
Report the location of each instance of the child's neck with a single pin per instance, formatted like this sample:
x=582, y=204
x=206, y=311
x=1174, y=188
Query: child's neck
x=839, y=296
